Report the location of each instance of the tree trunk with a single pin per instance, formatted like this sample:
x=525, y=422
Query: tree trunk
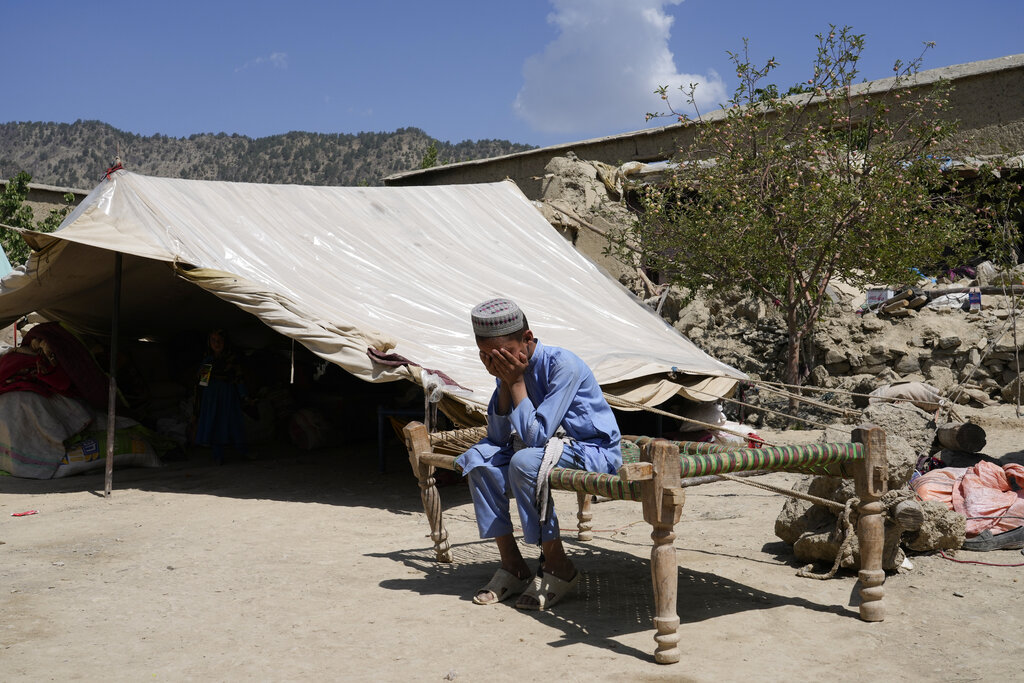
x=795, y=333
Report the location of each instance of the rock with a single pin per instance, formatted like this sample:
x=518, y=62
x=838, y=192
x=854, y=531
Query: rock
x=888, y=375
x=696, y=314
x=871, y=323
x=1008, y=342
x=820, y=378
x=812, y=529
x=836, y=369
x=942, y=529
x=974, y=372
x=908, y=364
x=870, y=359
x=986, y=272
x=950, y=342
x=909, y=433
x=940, y=377
x=979, y=397
x=834, y=355
x=1010, y=391
x=751, y=309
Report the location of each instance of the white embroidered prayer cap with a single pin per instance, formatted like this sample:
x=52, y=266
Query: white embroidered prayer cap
x=496, y=318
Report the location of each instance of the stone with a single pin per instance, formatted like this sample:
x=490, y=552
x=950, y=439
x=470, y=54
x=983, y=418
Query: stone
x=950, y=342
x=986, y=272
x=696, y=314
x=834, y=355
x=837, y=369
x=1011, y=389
x=751, y=309
x=871, y=323
x=820, y=377
x=991, y=386
x=1007, y=343
x=939, y=377
x=943, y=529
x=975, y=372
x=979, y=397
x=908, y=364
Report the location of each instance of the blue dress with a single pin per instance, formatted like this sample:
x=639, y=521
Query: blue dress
x=220, y=404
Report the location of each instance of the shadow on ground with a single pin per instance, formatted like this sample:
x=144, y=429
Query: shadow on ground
x=348, y=476
x=614, y=595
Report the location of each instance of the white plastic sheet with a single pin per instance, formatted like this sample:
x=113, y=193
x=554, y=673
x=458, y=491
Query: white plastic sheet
x=341, y=269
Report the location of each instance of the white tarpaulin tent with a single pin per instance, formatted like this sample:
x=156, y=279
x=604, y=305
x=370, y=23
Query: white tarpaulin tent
x=345, y=269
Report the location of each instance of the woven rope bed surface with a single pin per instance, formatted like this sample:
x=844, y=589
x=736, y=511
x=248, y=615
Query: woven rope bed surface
x=810, y=458
x=697, y=459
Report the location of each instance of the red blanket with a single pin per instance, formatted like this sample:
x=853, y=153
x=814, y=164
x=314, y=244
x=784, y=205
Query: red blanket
x=62, y=366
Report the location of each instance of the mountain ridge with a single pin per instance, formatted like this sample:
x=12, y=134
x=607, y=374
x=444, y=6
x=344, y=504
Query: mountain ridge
x=77, y=154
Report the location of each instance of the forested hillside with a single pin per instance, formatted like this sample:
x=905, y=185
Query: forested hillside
x=77, y=154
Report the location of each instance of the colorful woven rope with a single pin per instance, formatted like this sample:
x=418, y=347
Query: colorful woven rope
x=631, y=449
x=715, y=460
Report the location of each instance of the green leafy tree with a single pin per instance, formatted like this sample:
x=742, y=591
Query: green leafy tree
x=781, y=193
x=430, y=156
x=14, y=213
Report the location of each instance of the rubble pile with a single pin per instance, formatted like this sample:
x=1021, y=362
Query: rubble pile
x=813, y=530
x=968, y=355
x=971, y=356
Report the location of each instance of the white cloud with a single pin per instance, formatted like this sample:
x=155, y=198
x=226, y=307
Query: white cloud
x=601, y=71
x=278, y=60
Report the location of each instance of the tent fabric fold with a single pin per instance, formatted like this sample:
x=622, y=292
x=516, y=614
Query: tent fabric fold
x=345, y=269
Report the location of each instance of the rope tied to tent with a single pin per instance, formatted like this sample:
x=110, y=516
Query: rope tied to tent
x=113, y=169
x=614, y=400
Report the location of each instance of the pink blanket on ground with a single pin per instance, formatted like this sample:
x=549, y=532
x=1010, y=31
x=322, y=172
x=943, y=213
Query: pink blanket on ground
x=990, y=496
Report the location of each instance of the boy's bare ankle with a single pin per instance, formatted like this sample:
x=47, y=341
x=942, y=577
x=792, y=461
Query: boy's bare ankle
x=563, y=570
x=520, y=571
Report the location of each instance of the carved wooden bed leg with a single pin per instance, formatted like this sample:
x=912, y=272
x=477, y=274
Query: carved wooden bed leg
x=662, y=505
x=584, y=517
x=417, y=440
x=871, y=480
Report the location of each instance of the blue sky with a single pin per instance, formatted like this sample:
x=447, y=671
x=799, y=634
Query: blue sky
x=532, y=71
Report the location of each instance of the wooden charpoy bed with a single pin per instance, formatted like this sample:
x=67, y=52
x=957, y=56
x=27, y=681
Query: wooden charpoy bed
x=651, y=474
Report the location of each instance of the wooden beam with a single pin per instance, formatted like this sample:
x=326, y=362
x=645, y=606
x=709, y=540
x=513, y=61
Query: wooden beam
x=962, y=436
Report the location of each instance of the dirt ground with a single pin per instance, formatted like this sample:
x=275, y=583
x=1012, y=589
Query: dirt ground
x=316, y=566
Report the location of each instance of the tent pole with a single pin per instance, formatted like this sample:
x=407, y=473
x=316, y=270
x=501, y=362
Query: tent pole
x=112, y=391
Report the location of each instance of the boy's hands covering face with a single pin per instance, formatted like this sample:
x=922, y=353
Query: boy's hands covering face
x=505, y=364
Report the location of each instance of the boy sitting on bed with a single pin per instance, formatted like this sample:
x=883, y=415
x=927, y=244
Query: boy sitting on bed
x=539, y=389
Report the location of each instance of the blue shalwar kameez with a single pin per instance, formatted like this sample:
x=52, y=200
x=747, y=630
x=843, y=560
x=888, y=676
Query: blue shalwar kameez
x=561, y=392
